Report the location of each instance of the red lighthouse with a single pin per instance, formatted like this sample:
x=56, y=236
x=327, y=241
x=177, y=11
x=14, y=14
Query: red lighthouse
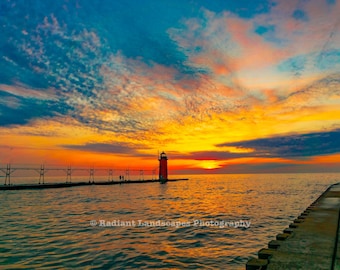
x=163, y=167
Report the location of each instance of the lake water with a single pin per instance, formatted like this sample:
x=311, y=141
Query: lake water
x=195, y=224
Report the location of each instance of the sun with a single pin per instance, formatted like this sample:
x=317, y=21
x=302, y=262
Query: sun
x=210, y=164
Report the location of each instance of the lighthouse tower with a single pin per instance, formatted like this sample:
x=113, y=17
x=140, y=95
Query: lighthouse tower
x=163, y=167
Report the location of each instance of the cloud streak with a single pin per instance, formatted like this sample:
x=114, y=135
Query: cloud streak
x=111, y=148
x=292, y=146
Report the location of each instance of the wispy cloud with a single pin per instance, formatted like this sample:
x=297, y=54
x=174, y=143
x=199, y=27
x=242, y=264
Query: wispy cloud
x=236, y=51
x=27, y=92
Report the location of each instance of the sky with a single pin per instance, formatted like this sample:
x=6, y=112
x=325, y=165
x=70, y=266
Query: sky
x=221, y=86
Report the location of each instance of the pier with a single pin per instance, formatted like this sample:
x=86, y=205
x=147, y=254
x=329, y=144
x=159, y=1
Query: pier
x=114, y=177
x=123, y=178
x=310, y=242
x=77, y=184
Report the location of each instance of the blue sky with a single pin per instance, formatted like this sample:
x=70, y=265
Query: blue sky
x=118, y=80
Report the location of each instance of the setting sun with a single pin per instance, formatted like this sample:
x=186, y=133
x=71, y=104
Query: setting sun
x=210, y=164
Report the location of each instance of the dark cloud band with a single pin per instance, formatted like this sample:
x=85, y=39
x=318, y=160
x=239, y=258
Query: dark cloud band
x=293, y=146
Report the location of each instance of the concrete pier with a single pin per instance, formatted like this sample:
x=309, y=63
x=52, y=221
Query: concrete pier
x=311, y=241
x=77, y=184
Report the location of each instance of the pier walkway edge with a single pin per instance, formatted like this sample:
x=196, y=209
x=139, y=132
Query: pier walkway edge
x=311, y=241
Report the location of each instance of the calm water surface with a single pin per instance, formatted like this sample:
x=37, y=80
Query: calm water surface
x=51, y=228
